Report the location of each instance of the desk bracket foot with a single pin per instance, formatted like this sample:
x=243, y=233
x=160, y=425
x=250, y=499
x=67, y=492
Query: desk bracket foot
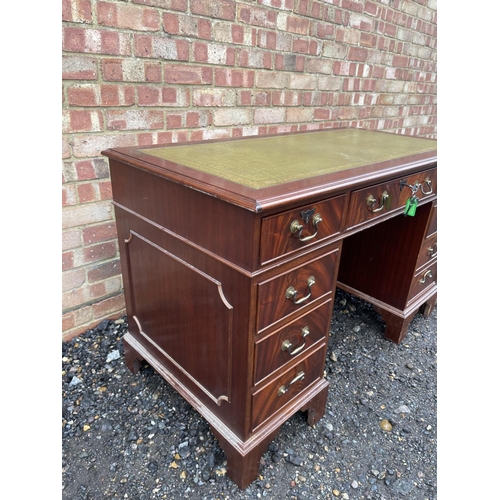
x=316, y=407
x=427, y=307
x=243, y=466
x=396, y=326
x=133, y=359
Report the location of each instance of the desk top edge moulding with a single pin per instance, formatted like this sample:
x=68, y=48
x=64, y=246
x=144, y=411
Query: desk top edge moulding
x=254, y=171
x=231, y=251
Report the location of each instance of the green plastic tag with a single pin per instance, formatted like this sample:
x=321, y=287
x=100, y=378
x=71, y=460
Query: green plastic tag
x=411, y=206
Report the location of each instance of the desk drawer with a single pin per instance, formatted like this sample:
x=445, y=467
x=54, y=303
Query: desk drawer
x=432, y=227
x=281, y=390
x=428, y=251
x=378, y=200
x=291, y=342
x=296, y=289
x=423, y=280
x=301, y=227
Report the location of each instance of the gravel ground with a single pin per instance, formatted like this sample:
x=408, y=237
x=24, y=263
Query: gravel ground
x=134, y=437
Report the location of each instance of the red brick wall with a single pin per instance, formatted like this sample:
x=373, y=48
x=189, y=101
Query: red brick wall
x=158, y=71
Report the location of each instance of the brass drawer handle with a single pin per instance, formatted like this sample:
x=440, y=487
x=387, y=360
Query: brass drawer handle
x=370, y=201
x=433, y=250
x=427, y=274
x=287, y=345
x=283, y=389
x=429, y=183
x=297, y=226
x=291, y=293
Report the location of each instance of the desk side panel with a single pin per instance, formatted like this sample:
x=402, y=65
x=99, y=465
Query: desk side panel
x=190, y=313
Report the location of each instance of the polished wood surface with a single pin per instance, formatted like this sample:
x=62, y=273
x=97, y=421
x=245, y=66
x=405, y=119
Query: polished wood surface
x=229, y=288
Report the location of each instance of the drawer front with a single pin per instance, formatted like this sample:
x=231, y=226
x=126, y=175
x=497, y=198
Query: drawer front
x=287, y=293
x=301, y=227
x=376, y=201
x=423, y=280
x=291, y=342
x=428, y=251
x=432, y=227
x=268, y=400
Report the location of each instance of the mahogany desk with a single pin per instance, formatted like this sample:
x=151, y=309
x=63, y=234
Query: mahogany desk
x=231, y=252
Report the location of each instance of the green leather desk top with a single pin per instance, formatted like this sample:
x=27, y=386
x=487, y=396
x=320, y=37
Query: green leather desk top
x=272, y=160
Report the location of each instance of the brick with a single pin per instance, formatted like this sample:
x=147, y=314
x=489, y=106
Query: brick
x=79, y=68
x=74, y=39
x=134, y=119
x=148, y=95
x=347, y=35
x=255, y=16
x=73, y=278
x=334, y=50
x=113, y=306
x=82, y=215
x=86, y=169
x=131, y=70
x=222, y=9
x=357, y=54
x=372, y=9
x=214, y=97
x=105, y=192
x=99, y=232
x=68, y=322
x=95, y=41
x=299, y=114
x=174, y=121
x=192, y=120
x=169, y=95
x=112, y=70
x=271, y=80
x=231, y=116
x=188, y=74
x=83, y=95
x=69, y=196
x=113, y=285
x=126, y=16
x=67, y=260
x=400, y=61
x=318, y=65
x=227, y=33
x=321, y=114
x=87, y=192
x=269, y=115
x=179, y=5
x=77, y=11
x=187, y=26
x=286, y=98
x=256, y=59
x=323, y=30
x=100, y=95
x=99, y=252
x=368, y=40
x=234, y=77
x=161, y=47
x=71, y=239
x=289, y=62
x=171, y=23
x=293, y=24
x=104, y=271
x=82, y=121
x=213, y=53
x=74, y=298
x=302, y=81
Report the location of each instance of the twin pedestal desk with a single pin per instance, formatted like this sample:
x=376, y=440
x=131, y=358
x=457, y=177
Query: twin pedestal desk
x=231, y=251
